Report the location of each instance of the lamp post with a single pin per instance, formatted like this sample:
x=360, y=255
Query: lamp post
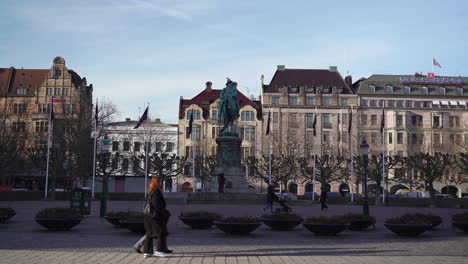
x=364, y=148
x=105, y=188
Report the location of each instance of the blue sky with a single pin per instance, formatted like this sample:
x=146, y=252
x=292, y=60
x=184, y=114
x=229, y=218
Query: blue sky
x=140, y=51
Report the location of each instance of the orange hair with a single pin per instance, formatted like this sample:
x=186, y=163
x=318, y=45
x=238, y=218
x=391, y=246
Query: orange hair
x=154, y=184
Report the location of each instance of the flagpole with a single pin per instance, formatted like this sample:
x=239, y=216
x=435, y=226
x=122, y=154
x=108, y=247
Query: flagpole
x=269, y=149
x=194, y=187
x=315, y=158
x=351, y=153
x=94, y=150
x=48, y=147
x=383, y=156
x=146, y=156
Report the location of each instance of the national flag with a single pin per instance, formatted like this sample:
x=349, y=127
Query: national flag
x=190, y=124
x=52, y=116
x=431, y=74
x=435, y=63
x=143, y=117
x=350, y=121
x=96, y=117
x=268, y=123
x=382, y=123
x=314, y=124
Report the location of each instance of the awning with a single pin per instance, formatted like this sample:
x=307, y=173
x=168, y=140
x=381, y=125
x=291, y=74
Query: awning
x=444, y=102
x=462, y=103
x=435, y=102
x=453, y=103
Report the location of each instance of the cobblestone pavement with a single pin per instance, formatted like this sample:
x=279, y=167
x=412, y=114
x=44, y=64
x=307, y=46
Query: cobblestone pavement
x=96, y=241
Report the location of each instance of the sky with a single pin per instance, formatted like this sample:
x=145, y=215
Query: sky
x=136, y=52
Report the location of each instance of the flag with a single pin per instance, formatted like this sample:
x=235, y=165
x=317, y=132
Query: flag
x=96, y=115
x=142, y=118
x=435, y=63
x=52, y=116
x=190, y=124
x=268, y=124
x=315, y=123
x=350, y=121
x=382, y=123
x=431, y=74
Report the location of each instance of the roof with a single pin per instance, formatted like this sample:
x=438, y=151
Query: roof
x=415, y=82
x=30, y=79
x=209, y=96
x=133, y=123
x=307, y=78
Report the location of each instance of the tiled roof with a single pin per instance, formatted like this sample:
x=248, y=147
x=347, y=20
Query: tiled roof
x=30, y=79
x=306, y=78
x=381, y=81
x=208, y=96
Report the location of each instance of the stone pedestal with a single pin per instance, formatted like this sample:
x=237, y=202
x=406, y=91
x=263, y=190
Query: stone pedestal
x=229, y=161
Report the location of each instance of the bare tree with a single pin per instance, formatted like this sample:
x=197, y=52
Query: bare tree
x=329, y=168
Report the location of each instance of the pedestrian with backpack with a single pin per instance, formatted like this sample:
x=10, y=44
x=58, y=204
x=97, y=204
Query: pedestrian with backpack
x=155, y=219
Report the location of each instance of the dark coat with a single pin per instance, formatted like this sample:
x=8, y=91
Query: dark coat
x=323, y=196
x=271, y=196
x=157, y=226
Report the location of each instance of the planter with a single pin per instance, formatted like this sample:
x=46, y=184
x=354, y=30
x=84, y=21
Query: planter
x=408, y=229
x=59, y=224
x=281, y=224
x=197, y=222
x=237, y=228
x=436, y=222
x=321, y=229
x=360, y=224
x=463, y=226
x=114, y=220
x=6, y=214
x=134, y=226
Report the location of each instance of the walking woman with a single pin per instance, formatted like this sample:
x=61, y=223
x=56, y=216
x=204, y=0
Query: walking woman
x=323, y=198
x=156, y=225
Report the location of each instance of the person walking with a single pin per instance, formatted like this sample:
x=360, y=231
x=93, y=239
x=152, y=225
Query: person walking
x=221, y=182
x=156, y=222
x=323, y=198
x=271, y=197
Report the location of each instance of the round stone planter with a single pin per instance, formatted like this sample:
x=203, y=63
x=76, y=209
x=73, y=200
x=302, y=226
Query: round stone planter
x=282, y=224
x=114, y=220
x=462, y=226
x=237, y=228
x=134, y=226
x=59, y=224
x=325, y=229
x=197, y=222
x=360, y=224
x=436, y=222
x=408, y=229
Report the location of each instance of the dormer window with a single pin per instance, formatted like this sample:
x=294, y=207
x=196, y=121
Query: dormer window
x=459, y=91
x=340, y=90
x=310, y=89
x=280, y=89
x=441, y=90
x=196, y=114
x=424, y=90
x=406, y=89
x=21, y=91
x=371, y=88
x=294, y=89
x=389, y=89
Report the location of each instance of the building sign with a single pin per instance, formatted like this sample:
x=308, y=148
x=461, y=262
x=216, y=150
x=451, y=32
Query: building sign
x=57, y=100
x=431, y=80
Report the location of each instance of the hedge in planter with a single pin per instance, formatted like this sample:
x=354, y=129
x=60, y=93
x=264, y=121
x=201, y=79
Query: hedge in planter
x=238, y=225
x=409, y=224
x=281, y=221
x=134, y=222
x=58, y=218
x=115, y=217
x=359, y=221
x=326, y=225
x=6, y=213
x=460, y=221
x=199, y=219
x=435, y=220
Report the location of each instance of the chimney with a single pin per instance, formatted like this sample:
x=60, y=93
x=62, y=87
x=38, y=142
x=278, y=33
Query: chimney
x=158, y=120
x=281, y=68
x=208, y=86
x=349, y=81
x=333, y=68
x=127, y=119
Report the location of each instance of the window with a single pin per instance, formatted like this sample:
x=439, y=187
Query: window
x=436, y=122
x=417, y=103
x=459, y=91
x=424, y=90
x=343, y=101
x=280, y=89
x=400, y=138
x=294, y=89
x=56, y=91
x=275, y=100
x=68, y=108
x=21, y=91
x=373, y=138
x=247, y=116
x=126, y=146
x=391, y=103
x=326, y=136
x=214, y=132
x=390, y=138
x=373, y=120
x=441, y=90
x=44, y=108
x=248, y=133
x=115, y=146
x=399, y=120
x=371, y=88
x=196, y=114
x=389, y=89
x=364, y=120
x=406, y=89
x=454, y=121
x=373, y=102
x=136, y=146
x=19, y=126
x=382, y=103
x=125, y=164
x=363, y=102
x=42, y=126
x=49, y=91
x=214, y=114
x=399, y=103
x=159, y=146
x=326, y=121
x=170, y=147
x=19, y=108
x=40, y=144
x=136, y=165
x=326, y=100
x=196, y=132
x=65, y=91
x=416, y=120
x=114, y=163
x=309, y=100
x=292, y=100
x=309, y=120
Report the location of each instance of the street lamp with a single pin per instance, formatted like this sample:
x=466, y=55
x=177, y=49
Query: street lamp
x=105, y=188
x=364, y=149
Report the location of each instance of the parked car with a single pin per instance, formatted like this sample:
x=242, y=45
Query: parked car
x=444, y=195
